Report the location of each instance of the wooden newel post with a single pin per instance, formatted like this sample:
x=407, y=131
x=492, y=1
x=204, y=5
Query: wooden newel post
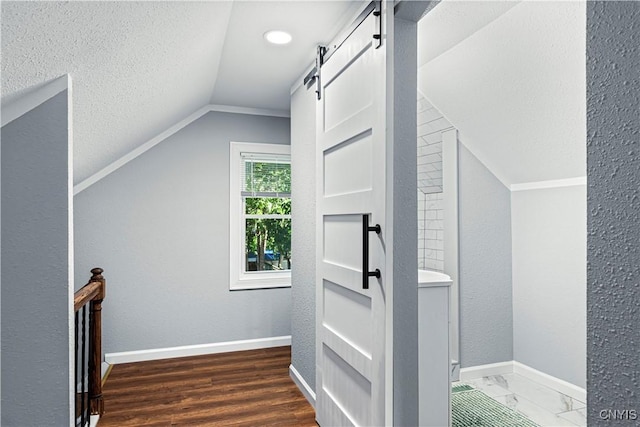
x=96, y=401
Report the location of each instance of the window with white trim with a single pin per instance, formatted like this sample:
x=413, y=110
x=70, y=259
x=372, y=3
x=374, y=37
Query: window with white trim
x=260, y=215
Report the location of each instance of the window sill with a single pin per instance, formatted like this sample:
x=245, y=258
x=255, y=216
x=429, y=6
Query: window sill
x=253, y=287
x=261, y=283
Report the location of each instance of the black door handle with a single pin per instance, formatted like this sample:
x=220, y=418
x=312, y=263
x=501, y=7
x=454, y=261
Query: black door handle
x=366, y=229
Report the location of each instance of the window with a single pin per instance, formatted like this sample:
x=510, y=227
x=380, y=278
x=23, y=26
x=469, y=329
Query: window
x=260, y=216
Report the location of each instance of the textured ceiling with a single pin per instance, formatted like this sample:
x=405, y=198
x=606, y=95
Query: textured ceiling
x=137, y=67
x=454, y=22
x=140, y=67
x=513, y=85
x=510, y=76
x=254, y=73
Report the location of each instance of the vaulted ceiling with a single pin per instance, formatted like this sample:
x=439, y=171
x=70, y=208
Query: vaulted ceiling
x=139, y=67
x=511, y=77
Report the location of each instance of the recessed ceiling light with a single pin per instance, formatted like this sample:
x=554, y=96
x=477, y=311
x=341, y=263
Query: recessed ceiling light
x=277, y=37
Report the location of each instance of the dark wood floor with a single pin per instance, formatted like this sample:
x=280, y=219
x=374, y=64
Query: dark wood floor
x=246, y=388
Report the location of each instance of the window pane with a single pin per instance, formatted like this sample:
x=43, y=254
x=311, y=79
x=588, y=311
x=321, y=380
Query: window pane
x=267, y=244
x=272, y=176
x=267, y=206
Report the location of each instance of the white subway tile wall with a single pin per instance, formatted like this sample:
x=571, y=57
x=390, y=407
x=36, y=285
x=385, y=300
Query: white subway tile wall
x=431, y=124
x=422, y=230
x=433, y=240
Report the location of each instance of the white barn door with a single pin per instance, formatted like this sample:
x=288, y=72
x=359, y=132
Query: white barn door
x=351, y=198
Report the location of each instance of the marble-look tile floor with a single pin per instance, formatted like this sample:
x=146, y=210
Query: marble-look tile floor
x=541, y=404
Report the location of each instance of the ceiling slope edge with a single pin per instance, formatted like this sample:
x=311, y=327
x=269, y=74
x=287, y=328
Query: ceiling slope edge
x=485, y=162
x=141, y=149
x=485, y=21
x=34, y=98
x=224, y=42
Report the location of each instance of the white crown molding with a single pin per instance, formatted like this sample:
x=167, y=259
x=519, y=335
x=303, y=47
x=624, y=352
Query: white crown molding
x=554, y=183
x=139, y=151
x=167, y=133
x=195, y=350
x=33, y=99
x=304, y=387
x=247, y=110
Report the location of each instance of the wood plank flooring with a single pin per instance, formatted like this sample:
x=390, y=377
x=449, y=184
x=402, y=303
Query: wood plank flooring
x=245, y=388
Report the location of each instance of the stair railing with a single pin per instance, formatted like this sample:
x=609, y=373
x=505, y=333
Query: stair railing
x=88, y=353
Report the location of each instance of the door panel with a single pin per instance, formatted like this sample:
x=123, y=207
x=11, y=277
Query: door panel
x=351, y=149
x=355, y=330
x=349, y=278
x=346, y=387
x=348, y=93
x=343, y=240
x=339, y=160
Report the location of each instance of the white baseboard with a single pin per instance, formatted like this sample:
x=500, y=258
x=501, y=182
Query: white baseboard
x=528, y=372
x=302, y=385
x=480, y=371
x=195, y=350
x=550, y=381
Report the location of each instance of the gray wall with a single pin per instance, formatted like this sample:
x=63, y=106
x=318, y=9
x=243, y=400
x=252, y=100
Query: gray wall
x=36, y=294
x=549, y=280
x=613, y=203
x=405, y=223
x=303, y=240
x=486, y=312
x=159, y=226
x=0, y=279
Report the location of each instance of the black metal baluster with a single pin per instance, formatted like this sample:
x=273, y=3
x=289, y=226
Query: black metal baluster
x=75, y=394
x=90, y=367
x=84, y=350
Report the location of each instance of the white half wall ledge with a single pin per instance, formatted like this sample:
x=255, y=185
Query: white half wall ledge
x=195, y=350
x=553, y=183
x=514, y=367
x=83, y=185
x=34, y=98
x=62, y=82
x=303, y=386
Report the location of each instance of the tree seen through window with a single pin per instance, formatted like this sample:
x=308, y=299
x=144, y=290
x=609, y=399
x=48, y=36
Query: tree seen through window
x=267, y=214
